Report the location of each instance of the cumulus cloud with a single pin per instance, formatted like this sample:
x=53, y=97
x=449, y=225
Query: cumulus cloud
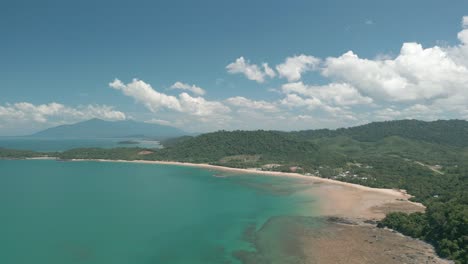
x=268, y=71
x=153, y=100
x=25, y=111
x=243, y=102
x=420, y=82
x=192, y=88
x=417, y=111
x=334, y=93
x=201, y=107
x=415, y=74
x=293, y=68
x=294, y=100
x=317, y=107
x=251, y=71
x=145, y=94
x=459, y=53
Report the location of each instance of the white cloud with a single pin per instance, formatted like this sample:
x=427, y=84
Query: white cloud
x=251, y=71
x=25, y=111
x=96, y=111
x=294, y=100
x=268, y=71
x=243, y=102
x=192, y=88
x=459, y=53
x=417, y=111
x=144, y=93
x=200, y=107
x=425, y=76
x=154, y=100
x=415, y=74
x=465, y=22
x=463, y=37
x=388, y=113
x=341, y=94
x=317, y=107
x=293, y=68
x=159, y=122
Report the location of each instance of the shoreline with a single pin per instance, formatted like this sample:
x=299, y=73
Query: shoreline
x=336, y=198
x=395, y=192
x=346, y=188
x=359, y=206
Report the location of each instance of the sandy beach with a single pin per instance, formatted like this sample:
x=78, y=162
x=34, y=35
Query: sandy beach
x=337, y=198
x=397, y=193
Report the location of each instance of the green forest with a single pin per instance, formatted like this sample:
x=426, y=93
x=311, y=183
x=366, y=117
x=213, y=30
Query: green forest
x=428, y=159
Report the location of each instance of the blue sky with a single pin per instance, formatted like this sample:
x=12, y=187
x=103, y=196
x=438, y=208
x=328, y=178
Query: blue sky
x=57, y=59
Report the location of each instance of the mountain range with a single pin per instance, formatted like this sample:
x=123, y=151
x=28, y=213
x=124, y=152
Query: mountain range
x=97, y=128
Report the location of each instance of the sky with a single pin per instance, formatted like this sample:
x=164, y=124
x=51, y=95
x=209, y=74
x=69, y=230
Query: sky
x=210, y=65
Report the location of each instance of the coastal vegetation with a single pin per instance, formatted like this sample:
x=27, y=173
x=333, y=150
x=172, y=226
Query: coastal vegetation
x=427, y=159
x=100, y=153
x=19, y=154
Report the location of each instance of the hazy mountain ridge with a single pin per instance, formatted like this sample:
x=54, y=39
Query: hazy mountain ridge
x=97, y=128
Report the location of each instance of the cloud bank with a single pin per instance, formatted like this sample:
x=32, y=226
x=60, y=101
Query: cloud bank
x=24, y=118
x=155, y=101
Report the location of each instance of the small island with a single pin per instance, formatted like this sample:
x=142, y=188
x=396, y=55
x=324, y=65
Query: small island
x=128, y=142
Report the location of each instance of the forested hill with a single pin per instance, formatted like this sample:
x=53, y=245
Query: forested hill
x=244, y=149
x=447, y=132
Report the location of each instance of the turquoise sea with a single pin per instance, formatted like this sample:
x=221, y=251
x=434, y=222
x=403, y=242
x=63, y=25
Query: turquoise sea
x=56, y=212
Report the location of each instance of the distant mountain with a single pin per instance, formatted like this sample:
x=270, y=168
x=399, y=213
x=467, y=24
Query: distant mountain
x=97, y=128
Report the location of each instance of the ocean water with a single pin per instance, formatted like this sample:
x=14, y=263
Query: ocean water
x=51, y=145
x=97, y=212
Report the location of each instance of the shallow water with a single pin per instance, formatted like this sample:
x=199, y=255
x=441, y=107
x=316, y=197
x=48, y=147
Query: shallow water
x=99, y=212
